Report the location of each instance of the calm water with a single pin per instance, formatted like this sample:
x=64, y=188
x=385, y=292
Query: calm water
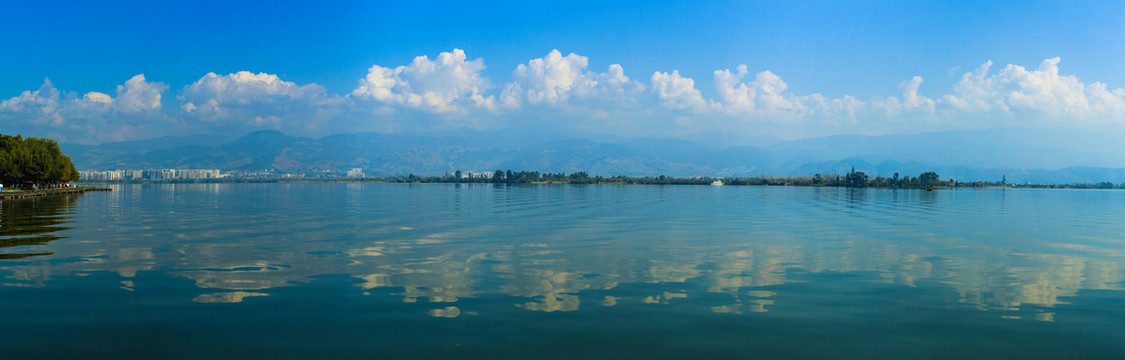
x=402, y=271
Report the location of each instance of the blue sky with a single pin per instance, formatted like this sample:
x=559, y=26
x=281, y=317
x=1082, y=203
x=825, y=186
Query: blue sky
x=856, y=56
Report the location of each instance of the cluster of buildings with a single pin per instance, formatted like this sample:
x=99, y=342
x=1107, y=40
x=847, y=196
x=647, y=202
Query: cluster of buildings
x=475, y=175
x=200, y=174
x=160, y=174
x=356, y=173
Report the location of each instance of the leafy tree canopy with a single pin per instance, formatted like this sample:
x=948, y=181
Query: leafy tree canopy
x=33, y=161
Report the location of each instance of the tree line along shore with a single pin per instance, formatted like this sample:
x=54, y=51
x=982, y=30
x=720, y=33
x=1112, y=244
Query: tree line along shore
x=33, y=164
x=39, y=164
x=852, y=179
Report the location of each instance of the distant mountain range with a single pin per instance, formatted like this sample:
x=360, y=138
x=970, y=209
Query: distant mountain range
x=1031, y=155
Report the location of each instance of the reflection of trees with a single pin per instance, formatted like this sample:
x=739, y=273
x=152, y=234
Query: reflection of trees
x=22, y=255
x=33, y=221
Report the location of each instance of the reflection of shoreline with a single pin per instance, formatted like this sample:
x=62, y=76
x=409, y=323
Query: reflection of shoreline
x=23, y=255
x=31, y=222
x=616, y=180
x=30, y=194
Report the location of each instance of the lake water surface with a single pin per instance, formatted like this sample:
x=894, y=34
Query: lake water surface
x=560, y=271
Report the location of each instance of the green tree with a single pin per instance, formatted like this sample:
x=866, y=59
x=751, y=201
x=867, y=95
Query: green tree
x=929, y=178
x=33, y=161
x=855, y=179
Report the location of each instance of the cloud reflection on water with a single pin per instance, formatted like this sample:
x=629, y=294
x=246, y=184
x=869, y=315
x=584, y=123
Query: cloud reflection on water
x=546, y=246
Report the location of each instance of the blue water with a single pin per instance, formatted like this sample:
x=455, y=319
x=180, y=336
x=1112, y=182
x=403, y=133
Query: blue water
x=561, y=271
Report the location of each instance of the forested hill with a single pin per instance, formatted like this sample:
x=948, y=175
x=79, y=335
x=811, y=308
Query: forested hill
x=1020, y=154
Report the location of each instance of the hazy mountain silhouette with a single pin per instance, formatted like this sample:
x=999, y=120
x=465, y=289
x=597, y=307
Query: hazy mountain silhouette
x=1036, y=155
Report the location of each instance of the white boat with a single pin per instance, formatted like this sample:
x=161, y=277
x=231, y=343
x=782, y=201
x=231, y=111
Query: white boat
x=717, y=183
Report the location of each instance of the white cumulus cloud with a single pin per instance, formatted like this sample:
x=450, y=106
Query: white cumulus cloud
x=551, y=78
x=98, y=97
x=1042, y=91
x=765, y=94
x=94, y=116
x=37, y=107
x=677, y=92
x=910, y=100
x=555, y=79
x=246, y=96
x=138, y=95
x=445, y=85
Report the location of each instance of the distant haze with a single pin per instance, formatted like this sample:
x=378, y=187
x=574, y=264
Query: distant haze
x=1019, y=155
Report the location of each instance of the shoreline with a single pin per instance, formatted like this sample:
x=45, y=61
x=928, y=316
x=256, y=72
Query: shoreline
x=400, y=181
x=21, y=194
x=928, y=180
